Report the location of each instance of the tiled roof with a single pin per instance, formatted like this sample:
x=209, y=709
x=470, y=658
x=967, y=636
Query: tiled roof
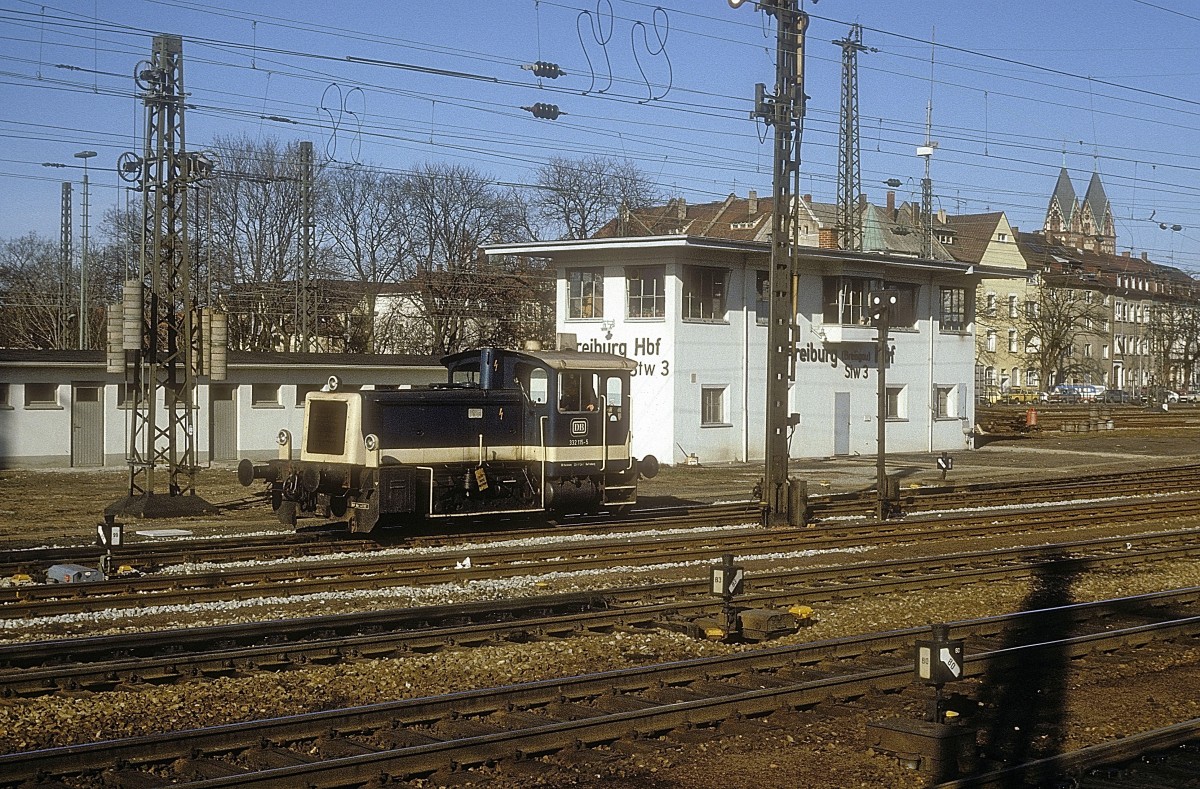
x=973, y=233
x=1099, y=267
x=735, y=218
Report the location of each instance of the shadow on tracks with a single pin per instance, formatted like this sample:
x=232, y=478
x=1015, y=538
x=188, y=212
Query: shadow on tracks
x=1023, y=697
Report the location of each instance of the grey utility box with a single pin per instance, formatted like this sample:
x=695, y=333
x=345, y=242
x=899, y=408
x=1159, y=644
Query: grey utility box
x=72, y=574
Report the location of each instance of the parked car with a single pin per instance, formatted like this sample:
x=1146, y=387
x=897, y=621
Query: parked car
x=1189, y=396
x=1162, y=396
x=1076, y=393
x=1121, y=396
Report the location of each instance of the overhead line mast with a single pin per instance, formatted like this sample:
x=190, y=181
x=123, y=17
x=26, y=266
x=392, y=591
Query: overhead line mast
x=785, y=112
x=161, y=338
x=849, y=215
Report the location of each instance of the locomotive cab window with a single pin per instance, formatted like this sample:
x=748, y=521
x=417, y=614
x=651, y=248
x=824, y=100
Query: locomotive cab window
x=465, y=376
x=577, y=391
x=536, y=383
x=614, y=396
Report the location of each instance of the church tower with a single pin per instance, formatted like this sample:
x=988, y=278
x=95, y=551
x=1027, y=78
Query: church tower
x=1087, y=225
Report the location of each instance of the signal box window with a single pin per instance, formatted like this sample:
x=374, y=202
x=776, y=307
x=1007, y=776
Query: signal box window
x=704, y=293
x=953, y=315
x=585, y=293
x=577, y=392
x=945, y=402
x=647, y=291
x=762, y=296
x=712, y=406
x=897, y=403
x=845, y=300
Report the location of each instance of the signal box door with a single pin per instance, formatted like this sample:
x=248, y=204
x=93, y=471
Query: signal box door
x=87, y=425
x=223, y=423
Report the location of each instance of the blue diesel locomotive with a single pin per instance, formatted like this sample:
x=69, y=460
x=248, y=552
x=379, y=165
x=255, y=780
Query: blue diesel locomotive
x=509, y=431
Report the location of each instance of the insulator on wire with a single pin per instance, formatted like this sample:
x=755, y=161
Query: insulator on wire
x=219, y=342
x=116, y=353
x=131, y=315
x=548, y=111
x=544, y=69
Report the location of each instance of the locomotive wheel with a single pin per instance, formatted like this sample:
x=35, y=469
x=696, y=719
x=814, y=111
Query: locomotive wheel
x=287, y=513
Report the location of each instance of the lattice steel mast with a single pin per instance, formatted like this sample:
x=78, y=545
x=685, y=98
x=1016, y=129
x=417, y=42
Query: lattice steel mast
x=64, y=275
x=163, y=344
x=785, y=112
x=306, y=303
x=849, y=217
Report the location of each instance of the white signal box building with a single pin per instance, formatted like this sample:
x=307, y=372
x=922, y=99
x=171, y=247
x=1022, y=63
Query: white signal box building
x=692, y=312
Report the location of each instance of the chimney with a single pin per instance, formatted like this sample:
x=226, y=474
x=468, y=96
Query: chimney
x=1145, y=257
x=862, y=202
x=681, y=208
x=827, y=238
x=753, y=201
x=808, y=199
x=942, y=215
x=891, y=204
x=1125, y=254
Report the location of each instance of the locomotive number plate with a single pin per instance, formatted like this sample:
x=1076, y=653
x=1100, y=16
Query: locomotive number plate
x=579, y=427
x=474, y=413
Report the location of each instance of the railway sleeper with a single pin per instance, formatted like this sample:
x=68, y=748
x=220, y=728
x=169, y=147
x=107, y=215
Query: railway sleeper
x=204, y=768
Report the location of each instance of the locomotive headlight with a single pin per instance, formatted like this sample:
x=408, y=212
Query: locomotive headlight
x=284, y=438
x=372, y=442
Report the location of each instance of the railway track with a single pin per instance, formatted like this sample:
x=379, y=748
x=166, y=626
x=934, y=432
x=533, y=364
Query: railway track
x=104, y=663
x=1056, y=417
x=383, y=571
x=1157, y=759
x=151, y=554
x=744, y=691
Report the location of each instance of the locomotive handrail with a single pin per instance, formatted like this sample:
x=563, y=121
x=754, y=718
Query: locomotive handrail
x=542, y=438
x=604, y=432
x=430, y=470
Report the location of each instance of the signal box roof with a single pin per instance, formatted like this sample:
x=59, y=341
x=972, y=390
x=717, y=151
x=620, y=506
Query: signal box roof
x=558, y=360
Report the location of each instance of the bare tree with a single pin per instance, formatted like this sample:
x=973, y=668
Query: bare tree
x=576, y=197
x=1174, y=334
x=30, y=274
x=255, y=199
x=1055, y=326
x=459, y=297
x=360, y=218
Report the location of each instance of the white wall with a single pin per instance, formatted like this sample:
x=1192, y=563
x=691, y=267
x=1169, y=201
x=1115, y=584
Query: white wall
x=41, y=436
x=732, y=355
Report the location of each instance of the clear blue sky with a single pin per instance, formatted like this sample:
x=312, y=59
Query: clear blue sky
x=1018, y=89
